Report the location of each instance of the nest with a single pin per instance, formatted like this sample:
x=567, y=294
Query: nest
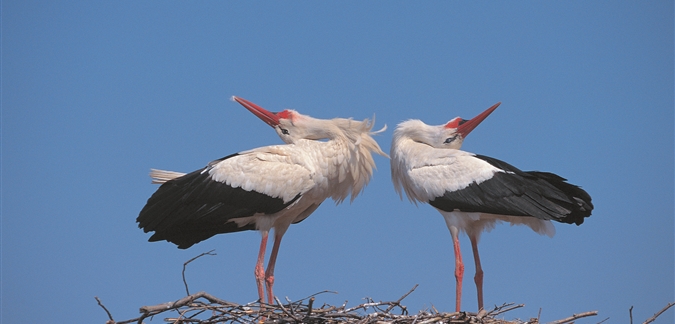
x=203, y=308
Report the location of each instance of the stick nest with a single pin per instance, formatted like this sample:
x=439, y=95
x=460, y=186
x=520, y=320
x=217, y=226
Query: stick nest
x=203, y=308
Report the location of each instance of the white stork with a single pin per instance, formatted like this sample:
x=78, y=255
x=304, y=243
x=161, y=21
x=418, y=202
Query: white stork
x=265, y=188
x=474, y=192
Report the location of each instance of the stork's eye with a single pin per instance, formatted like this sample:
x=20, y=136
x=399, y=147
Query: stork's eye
x=285, y=131
x=450, y=139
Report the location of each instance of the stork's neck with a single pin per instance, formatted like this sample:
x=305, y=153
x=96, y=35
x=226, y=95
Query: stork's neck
x=344, y=164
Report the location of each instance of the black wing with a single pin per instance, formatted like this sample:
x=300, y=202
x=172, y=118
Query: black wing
x=518, y=193
x=194, y=207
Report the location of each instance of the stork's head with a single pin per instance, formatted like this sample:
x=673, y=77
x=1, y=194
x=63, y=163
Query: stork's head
x=289, y=124
x=449, y=136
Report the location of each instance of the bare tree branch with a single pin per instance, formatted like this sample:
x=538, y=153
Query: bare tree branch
x=285, y=311
x=152, y=310
x=505, y=308
x=653, y=318
x=575, y=316
x=185, y=265
x=309, y=306
x=398, y=302
x=111, y=321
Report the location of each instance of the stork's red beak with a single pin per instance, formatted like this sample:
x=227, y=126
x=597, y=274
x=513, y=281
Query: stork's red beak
x=267, y=116
x=466, y=127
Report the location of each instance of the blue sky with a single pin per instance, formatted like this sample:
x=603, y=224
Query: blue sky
x=94, y=94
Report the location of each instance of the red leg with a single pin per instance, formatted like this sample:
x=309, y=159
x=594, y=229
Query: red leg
x=459, y=269
x=259, y=270
x=269, y=274
x=479, y=271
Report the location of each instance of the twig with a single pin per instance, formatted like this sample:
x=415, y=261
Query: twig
x=309, y=307
x=574, y=317
x=106, y=310
x=398, y=302
x=630, y=313
x=364, y=306
x=185, y=265
x=653, y=318
x=284, y=309
x=319, y=293
x=152, y=310
x=505, y=308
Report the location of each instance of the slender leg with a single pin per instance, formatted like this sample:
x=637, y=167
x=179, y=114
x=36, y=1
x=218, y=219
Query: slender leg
x=479, y=271
x=459, y=267
x=269, y=274
x=259, y=270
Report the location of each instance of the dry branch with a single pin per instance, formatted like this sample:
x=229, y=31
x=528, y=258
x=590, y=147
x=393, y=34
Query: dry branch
x=653, y=318
x=504, y=308
x=111, y=321
x=574, y=317
x=187, y=291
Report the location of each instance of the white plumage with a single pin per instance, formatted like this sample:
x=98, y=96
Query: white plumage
x=264, y=188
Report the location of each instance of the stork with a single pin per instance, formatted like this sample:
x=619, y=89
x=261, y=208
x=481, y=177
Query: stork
x=264, y=188
x=474, y=192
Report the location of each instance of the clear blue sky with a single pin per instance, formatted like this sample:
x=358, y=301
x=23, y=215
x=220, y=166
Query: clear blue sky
x=94, y=94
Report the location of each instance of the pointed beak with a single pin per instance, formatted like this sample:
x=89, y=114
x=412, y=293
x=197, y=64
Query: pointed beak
x=267, y=116
x=465, y=128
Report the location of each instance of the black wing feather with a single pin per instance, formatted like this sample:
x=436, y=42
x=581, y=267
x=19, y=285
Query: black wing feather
x=194, y=207
x=520, y=193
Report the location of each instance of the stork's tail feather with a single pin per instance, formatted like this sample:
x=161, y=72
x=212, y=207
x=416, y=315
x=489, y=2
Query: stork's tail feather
x=162, y=176
x=580, y=206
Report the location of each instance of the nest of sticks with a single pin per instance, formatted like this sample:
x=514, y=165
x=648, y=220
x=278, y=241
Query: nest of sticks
x=203, y=308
